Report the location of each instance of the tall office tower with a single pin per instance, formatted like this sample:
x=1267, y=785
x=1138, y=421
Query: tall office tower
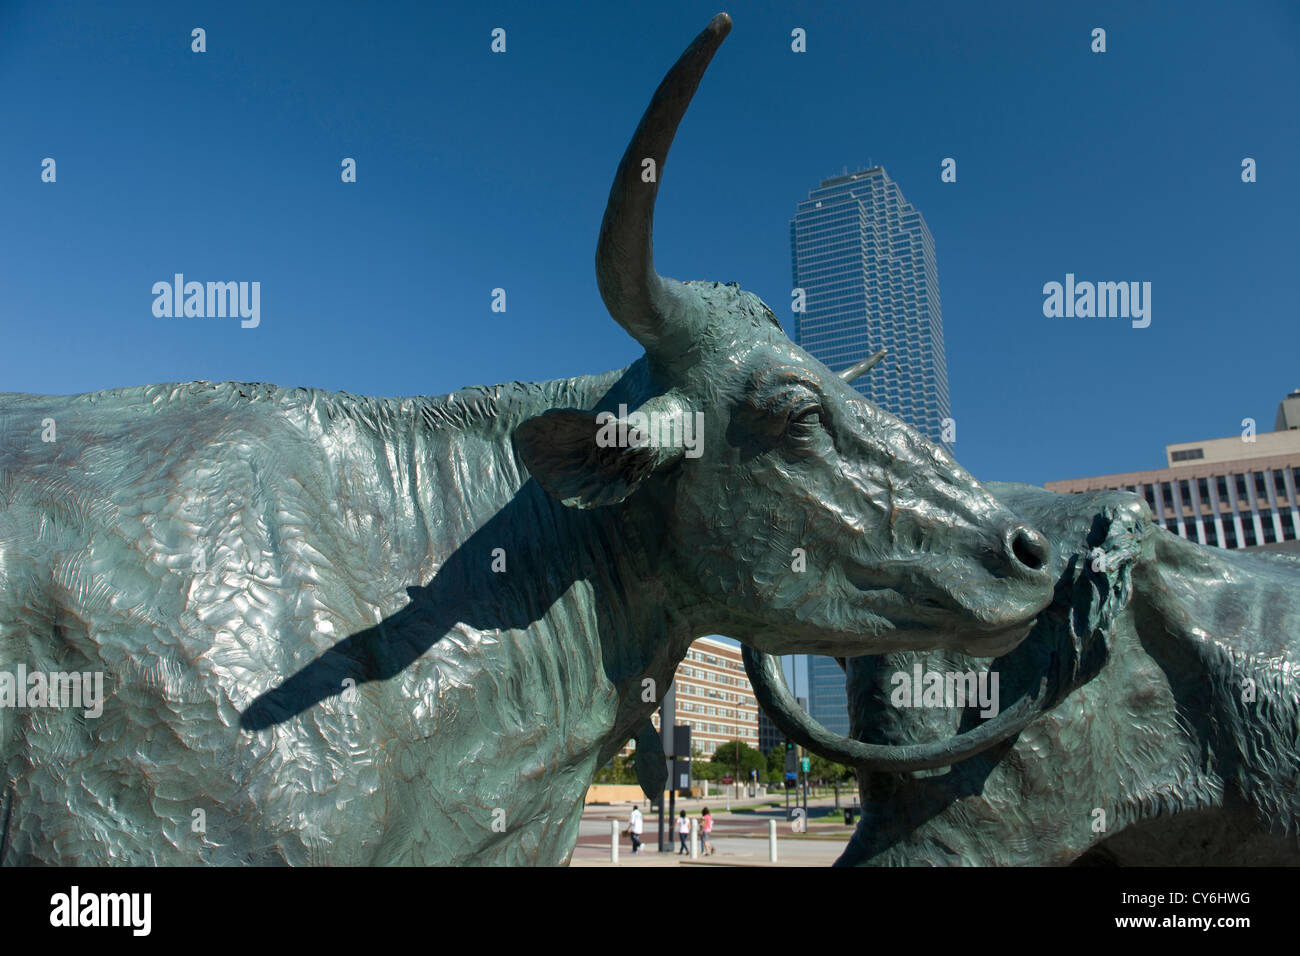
x=828, y=704
x=794, y=667
x=768, y=734
x=865, y=259
x=822, y=679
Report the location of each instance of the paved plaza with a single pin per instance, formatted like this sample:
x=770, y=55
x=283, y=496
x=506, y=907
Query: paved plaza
x=741, y=837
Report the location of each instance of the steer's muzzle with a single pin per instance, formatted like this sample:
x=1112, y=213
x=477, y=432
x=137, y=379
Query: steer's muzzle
x=1026, y=549
x=1006, y=610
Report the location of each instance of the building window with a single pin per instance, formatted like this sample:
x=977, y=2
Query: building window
x=1188, y=454
x=1279, y=484
x=1248, y=531
x=1261, y=489
x=1211, y=536
x=1241, y=487
x=1229, y=533
x=1266, y=523
x=1221, y=485
x=1288, y=526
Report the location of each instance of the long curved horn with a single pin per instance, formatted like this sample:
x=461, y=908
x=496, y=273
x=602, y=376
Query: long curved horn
x=863, y=367
x=635, y=295
x=792, y=720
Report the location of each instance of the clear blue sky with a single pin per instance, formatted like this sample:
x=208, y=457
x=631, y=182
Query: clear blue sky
x=478, y=170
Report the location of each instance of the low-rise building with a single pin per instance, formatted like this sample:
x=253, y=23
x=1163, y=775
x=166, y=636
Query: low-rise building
x=714, y=697
x=1238, y=492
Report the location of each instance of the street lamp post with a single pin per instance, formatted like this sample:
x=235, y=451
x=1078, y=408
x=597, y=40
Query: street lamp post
x=667, y=718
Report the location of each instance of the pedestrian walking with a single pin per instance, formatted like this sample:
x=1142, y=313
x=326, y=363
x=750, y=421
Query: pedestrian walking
x=634, y=828
x=706, y=827
x=684, y=833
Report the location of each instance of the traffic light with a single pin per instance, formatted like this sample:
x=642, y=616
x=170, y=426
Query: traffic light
x=682, y=741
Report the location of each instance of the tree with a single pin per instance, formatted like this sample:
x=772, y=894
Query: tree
x=776, y=764
x=738, y=759
x=701, y=768
x=819, y=768
x=618, y=770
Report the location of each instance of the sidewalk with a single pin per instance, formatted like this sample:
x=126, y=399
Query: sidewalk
x=741, y=838
x=717, y=803
x=731, y=853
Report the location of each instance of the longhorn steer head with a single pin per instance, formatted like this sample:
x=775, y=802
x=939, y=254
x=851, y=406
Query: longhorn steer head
x=903, y=549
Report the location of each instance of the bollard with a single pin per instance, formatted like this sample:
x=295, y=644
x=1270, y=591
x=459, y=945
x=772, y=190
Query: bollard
x=771, y=841
x=695, y=839
x=613, y=841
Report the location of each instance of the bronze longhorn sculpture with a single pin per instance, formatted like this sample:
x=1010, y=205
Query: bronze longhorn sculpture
x=349, y=630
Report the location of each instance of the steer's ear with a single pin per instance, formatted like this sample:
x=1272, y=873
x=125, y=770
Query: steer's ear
x=586, y=460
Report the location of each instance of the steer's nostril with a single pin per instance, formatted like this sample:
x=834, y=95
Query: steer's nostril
x=1029, y=548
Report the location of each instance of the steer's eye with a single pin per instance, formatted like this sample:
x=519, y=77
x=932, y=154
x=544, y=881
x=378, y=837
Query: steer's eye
x=805, y=422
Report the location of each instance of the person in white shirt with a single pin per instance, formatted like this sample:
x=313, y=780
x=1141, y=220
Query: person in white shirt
x=634, y=828
x=683, y=832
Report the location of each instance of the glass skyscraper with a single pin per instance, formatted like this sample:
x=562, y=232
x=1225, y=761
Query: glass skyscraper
x=865, y=259
x=827, y=701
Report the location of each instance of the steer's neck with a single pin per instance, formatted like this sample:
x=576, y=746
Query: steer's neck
x=584, y=594
x=593, y=581
x=646, y=622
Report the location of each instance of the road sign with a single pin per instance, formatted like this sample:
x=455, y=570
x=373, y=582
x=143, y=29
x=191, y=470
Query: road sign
x=681, y=771
x=790, y=775
x=806, y=763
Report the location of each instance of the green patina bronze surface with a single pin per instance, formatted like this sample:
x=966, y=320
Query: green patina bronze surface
x=346, y=630
x=1152, y=716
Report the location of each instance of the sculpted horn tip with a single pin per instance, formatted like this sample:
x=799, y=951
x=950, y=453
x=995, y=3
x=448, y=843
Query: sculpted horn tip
x=863, y=367
x=635, y=295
